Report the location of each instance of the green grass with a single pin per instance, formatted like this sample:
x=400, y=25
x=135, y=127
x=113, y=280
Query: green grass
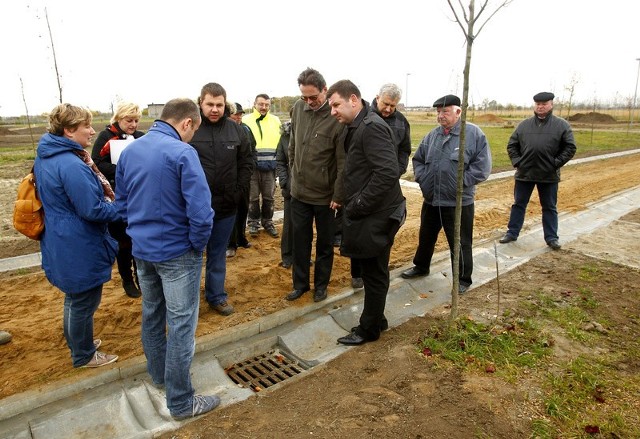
x=16, y=154
x=472, y=345
x=602, y=141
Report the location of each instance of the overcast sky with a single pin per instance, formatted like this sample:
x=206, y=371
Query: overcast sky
x=150, y=51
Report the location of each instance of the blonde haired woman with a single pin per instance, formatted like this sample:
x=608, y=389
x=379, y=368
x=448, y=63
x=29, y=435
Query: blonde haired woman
x=77, y=250
x=124, y=124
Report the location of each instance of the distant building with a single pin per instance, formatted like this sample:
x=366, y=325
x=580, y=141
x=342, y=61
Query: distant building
x=155, y=110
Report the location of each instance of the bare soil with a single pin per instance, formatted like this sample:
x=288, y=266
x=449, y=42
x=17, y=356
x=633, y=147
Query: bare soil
x=381, y=389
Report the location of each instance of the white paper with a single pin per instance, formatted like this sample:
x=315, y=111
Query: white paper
x=117, y=146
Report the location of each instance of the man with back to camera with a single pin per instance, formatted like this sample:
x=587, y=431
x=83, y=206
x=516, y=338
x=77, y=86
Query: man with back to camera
x=374, y=206
x=265, y=127
x=316, y=158
x=435, y=166
x=538, y=148
x=163, y=195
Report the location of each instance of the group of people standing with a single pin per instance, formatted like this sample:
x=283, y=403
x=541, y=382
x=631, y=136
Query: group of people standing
x=180, y=190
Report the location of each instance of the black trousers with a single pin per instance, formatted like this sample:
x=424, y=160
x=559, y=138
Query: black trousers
x=375, y=275
x=302, y=218
x=432, y=220
x=238, y=234
x=286, y=238
x=125, y=261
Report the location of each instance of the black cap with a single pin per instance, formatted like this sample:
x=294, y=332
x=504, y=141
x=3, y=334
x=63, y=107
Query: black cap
x=239, y=109
x=543, y=96
x=447, y=100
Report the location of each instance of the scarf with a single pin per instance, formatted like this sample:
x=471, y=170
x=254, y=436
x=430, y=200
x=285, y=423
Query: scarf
x=106, y=149
x=106, y=187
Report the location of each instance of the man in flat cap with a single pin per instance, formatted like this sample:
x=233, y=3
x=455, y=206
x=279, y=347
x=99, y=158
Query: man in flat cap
x=435, y=166
x=538, y=148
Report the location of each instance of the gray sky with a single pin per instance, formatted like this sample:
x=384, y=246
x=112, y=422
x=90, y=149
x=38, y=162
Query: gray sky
x=150, y=52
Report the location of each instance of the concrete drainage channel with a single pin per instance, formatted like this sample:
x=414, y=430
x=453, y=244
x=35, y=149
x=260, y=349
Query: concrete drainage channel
x=264, y=354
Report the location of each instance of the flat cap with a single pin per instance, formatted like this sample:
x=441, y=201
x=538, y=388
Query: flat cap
x=239, y=108
x=447, y=100
x=544, y=96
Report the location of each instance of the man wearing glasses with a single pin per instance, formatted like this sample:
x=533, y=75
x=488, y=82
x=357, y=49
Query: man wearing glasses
x=316, y=158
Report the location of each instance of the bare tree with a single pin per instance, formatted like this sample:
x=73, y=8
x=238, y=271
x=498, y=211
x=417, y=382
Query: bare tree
x=571, y=88
x=33, y=142
x=467, y=19
x=55, y=60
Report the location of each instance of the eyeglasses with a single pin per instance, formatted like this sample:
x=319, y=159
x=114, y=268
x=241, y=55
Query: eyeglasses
x=310, y=98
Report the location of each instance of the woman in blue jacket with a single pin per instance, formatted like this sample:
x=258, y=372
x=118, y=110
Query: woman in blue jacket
x=77, y=251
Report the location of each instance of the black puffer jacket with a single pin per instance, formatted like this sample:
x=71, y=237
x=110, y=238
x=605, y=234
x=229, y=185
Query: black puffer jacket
x=225, y=155
x=538, y=148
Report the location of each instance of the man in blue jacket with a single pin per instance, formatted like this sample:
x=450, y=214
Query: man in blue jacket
x=435, y=166
x=163, y=195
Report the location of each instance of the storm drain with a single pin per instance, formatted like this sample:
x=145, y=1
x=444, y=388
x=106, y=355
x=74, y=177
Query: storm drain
x=264, y=370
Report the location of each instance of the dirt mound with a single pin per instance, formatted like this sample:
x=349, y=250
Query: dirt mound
x=591, y=117
x=4, y=131
x=488, y=118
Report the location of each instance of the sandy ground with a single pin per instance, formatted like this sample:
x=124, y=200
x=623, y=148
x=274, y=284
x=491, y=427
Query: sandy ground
x=31, y=308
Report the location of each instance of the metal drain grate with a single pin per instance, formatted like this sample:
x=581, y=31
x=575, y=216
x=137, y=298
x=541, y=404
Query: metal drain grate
x=264, y=370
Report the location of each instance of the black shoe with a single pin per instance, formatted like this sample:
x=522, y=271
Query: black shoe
x=319, y=295
x=414, y=272
x=271, y=230
x=337, y=241
x=555, y=245
x=352, y=339
x=284, y=264
x=463, y=288
x=130, y=289
x=507, y=238
x=295, y=294
x=245, y=244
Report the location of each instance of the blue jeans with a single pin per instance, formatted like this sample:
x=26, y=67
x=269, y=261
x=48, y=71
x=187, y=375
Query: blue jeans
x=170, y=303
x=79, y=309
x=548, y=195
x=216, y=264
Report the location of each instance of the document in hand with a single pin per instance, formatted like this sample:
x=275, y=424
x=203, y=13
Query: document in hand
x=117, y=146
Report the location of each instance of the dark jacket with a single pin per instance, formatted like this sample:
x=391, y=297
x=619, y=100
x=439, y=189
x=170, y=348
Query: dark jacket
x=77, y=251
x=316, y=155
x=103, y=162
x=401, y=135
x=225, y=154
x=374, y=205
x=538, y=148
x=282, y=160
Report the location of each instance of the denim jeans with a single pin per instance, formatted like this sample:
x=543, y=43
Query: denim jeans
x=548, y=195
x=170, y=303
x=216, y=264
x=79, y=309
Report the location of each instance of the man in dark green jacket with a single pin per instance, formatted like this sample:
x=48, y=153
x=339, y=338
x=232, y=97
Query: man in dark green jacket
x=316, y=157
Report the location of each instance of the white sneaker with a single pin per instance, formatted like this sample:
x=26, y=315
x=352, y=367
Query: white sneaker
x=101, y=359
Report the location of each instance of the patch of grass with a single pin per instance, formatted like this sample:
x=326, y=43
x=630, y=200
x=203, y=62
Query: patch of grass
x=589, y=393
x=589, y=273
x=16, y=154
x=506, y=350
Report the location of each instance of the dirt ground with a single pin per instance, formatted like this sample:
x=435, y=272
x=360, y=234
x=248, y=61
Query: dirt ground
x=380, y=387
